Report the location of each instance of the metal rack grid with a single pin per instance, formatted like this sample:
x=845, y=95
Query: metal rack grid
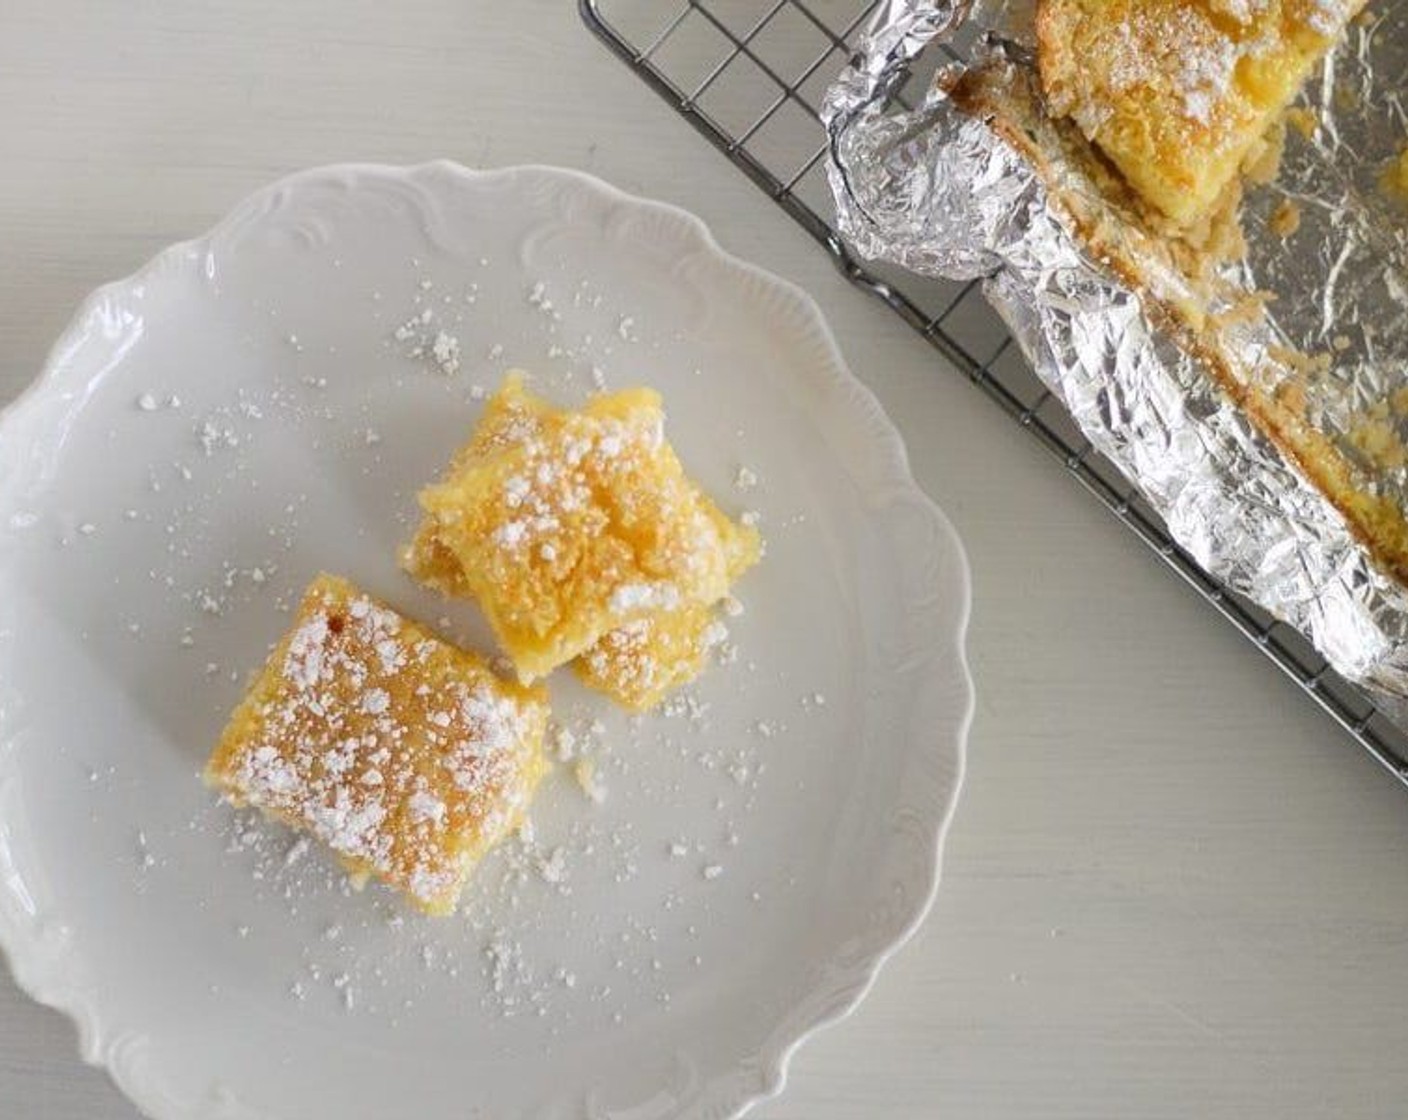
x=749, y=75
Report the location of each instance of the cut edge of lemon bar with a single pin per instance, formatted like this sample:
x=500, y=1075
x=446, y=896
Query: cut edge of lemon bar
x=405, y=755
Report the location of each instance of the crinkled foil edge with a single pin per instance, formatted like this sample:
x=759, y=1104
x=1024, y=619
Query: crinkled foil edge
x=939, y=193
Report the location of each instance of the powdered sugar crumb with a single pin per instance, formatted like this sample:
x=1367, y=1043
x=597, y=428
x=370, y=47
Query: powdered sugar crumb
x=446, y=351
x=589, y=780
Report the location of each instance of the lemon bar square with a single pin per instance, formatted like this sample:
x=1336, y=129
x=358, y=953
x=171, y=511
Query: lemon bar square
x=565, y=525
x=636, y=664
x=405, y=755
x=1179, y=94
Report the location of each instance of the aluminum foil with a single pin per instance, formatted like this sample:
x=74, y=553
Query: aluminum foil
x=937, y=191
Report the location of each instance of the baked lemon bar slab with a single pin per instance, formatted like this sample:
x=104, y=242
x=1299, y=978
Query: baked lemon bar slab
x=1179, y=94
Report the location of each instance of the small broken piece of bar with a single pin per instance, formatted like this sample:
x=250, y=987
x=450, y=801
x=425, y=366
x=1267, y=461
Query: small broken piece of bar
x=580, y=536
x=405, y=755
x=641, y=662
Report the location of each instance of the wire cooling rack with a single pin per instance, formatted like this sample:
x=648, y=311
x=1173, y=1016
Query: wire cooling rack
x=749, y=75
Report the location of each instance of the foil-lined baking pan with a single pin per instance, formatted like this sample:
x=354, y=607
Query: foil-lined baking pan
x=939, y=190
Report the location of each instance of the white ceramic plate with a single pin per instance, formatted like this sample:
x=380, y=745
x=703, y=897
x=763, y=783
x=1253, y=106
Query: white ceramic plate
x=252, y=407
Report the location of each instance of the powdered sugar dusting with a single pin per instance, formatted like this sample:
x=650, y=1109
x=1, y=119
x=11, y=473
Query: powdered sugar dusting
x=644, y=597
x=1190, y=48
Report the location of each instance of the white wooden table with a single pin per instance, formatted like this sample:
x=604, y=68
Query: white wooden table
x=1173, y=888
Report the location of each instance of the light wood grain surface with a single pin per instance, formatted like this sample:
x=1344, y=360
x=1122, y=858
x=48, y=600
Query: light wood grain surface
x=1173, y=888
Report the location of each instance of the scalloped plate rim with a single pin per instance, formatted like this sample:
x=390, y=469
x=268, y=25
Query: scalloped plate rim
x=21, y=951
